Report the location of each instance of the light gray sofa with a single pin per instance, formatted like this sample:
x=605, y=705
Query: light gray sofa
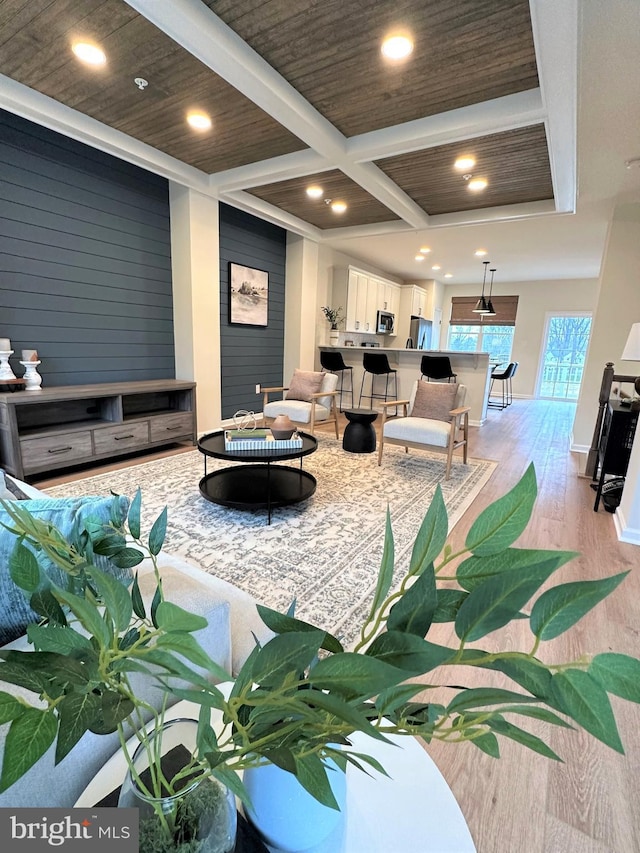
x=233, y=625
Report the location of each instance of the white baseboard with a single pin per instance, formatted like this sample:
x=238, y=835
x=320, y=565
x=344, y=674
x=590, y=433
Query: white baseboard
x=624, y=533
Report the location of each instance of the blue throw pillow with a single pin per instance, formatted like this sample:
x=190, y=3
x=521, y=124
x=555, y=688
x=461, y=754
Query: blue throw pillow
x=65, y=514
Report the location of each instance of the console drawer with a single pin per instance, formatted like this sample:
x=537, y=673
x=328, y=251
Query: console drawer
x=166, y=427
x=116, y=439
x=50, y=452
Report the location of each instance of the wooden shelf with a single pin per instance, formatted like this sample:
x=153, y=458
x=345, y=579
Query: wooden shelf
x=76, y=425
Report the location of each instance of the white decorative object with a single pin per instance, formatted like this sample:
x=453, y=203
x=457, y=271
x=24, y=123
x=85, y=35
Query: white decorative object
x=29, y=355
x=334, y=337
x=286, y=815
x=5, y=345
x=32, y=378
x=5, y=370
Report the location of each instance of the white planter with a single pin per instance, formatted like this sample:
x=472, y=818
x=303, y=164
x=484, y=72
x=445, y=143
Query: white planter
x=334, y=337
x=286, y=815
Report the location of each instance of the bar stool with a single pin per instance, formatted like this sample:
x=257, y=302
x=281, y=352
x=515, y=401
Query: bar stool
x=505, y=376
x=437, y=367
x=377, y=364
x=333, y=362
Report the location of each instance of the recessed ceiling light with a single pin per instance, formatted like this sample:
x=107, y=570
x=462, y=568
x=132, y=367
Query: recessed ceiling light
x=89, y=53
x=477, y=184
x=397, y=47
x=464, y=163
x=448, y=275
x=199, y=121
x=338, y=206
x=425, y=250
x=419, y=257
x=315, y=192
x=480, y=253
x=436, y=267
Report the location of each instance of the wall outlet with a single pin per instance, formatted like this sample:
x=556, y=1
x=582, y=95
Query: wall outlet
x=258, y=388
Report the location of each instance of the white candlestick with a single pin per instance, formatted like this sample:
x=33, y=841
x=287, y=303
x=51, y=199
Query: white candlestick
x=5, y=344
x=29, y=355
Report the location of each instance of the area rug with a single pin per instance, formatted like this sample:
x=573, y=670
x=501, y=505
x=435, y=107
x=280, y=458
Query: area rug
x=325, y=553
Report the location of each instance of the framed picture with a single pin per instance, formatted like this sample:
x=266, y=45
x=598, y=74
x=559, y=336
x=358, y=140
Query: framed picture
x=248, y=296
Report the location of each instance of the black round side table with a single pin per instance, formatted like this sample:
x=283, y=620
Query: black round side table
x=359, y=434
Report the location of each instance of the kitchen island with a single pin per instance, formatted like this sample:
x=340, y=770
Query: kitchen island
x=472, y=369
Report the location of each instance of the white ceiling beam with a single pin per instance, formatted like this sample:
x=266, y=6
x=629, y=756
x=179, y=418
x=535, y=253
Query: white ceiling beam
x=496, y=116
x=282, y=168
x=258, y=207
x=194, y=26
x=502, y=213
x=555, y=36
x=41, y=109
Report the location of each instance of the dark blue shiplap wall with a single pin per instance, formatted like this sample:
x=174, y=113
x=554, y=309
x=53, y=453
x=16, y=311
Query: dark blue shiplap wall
x=251, y=354
x=85, y=260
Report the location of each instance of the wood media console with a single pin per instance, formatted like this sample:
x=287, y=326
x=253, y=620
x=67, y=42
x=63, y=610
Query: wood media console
x=53, y=428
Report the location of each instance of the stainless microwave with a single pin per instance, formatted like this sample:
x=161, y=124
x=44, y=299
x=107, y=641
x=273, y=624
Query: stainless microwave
x=384, y=323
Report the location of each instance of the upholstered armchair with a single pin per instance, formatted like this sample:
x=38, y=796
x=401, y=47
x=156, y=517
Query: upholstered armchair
x=310, y=398
x=434, y=418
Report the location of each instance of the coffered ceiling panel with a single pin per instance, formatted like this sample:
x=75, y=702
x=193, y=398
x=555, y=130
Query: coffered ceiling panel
x=291, y=196
x=515, y=163
x=35, y=41
x=329, y=51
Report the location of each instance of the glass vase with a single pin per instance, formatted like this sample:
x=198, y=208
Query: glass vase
x=192, y=815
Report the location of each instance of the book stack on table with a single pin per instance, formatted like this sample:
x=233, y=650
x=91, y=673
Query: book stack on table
x=259, y=441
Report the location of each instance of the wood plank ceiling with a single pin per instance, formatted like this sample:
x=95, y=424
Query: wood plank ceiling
x=467, y=52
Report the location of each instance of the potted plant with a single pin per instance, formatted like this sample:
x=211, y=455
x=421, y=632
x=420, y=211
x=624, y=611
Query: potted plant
x=299, y=697
x=334, y=317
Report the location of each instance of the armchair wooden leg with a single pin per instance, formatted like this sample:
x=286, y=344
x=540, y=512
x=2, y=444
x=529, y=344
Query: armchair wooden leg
x=335, y=416
x=381, y=445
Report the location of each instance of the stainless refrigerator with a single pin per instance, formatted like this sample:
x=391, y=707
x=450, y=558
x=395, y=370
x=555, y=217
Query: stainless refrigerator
x=420, y=332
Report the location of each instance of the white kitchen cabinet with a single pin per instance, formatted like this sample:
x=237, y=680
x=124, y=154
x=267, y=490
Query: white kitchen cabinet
x=364, y=295
x=418, y=302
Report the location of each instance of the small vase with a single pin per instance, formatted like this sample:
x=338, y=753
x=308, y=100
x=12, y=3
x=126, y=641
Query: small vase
x=200, y=818
x=334, y=336
x=283, y=427
x=286, y=815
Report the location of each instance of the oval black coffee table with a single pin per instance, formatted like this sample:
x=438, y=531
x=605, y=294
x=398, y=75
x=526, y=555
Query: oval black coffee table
x=259, y=485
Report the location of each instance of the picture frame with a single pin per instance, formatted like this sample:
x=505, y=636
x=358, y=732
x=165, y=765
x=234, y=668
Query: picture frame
x=248, y=295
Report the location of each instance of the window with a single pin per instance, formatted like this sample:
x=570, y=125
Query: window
x=563, y=356
x=496, y=340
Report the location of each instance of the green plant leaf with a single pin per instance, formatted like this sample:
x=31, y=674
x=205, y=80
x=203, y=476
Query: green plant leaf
x=342, y=710
x=157, y=598
x=488, y=743
x=186, y=645
x=136, y=599
x=22, y=668
x=353, y=675
x=284, y=654
x=559, y=608
x=581, y=697
x=113, y=709
x=500, y=524
x=413, y=613
x=408, y=652
x=212, y=698
x=76, y=713
x=478, y=697
x=158, y=532
x=497, y=601
x=527, y=672
x=24, y=568
x=115, y=596
x=506, y=729
x=109, y=544
x=127, y=558
x=10, y=708
x=29, y=737
x=171, y=617
x=47, y=605
x=618, y=674
x=280, y=623
x=168, y=662
x=432, y=535
x=388, y=701
x=385, y=575
x=473, y=571
x=312, y=775
x=537, y=713
x=133, y=518
x=55, y=638
x=449, y=602
x=230, y=779
x=87, y=614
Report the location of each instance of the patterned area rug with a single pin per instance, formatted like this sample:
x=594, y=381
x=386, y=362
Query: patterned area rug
x=325, y=552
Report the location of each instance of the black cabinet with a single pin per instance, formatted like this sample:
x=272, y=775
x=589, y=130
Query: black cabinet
x=616, y=441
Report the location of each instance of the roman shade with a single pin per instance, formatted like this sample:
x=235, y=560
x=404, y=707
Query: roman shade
x=506, y=308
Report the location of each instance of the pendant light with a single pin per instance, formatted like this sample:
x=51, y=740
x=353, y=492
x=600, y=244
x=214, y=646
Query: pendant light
x=481, y=304
x=491, y=311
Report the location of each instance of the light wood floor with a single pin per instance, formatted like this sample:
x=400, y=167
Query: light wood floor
x=523, y=802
